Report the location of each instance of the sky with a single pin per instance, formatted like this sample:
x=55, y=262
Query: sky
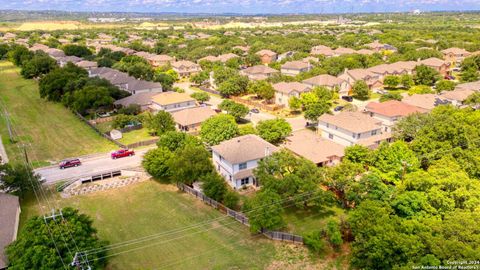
x=243, y=6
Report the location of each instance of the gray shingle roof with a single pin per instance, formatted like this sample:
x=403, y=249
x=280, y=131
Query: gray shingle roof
x=244, y=148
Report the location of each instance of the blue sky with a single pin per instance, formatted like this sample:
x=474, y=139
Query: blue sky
x=242, y=6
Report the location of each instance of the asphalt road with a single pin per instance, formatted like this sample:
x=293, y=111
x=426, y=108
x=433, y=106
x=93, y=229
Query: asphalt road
x=91, y=166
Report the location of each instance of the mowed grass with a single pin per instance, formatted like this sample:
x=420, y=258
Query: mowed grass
x=53, y=131
x=150, y=208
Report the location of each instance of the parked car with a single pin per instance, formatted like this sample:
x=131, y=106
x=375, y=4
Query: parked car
x=255, y=110
x=70, y=163
x=103, y=115
x=122, y=153
x=338, y=108
x=383, y=92
x=347, y=98
x=449, y=77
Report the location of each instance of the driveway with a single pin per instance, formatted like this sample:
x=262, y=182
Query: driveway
x=91, y=166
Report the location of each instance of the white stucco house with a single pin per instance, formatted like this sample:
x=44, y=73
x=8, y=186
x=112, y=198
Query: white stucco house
x=236, y=159
x=172, y=101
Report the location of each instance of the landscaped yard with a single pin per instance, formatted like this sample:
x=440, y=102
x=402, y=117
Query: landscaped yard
x=150, y=208
x=54, y=131
x=135, y=136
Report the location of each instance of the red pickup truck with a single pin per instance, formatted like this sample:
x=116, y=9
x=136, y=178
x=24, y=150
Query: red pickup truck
x=122, y=153
x=70, y=163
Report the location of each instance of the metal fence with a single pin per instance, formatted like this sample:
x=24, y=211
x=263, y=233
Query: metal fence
x=241, y=217
x=142, y=143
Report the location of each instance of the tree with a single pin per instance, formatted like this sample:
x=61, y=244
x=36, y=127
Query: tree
x=473, y=99
x=165, y=80
x=200, y=77
x=315, y=110
x=17, y=180
x=218, y=128
x=234, y=109
x=246, y=129
x=406, y=81
x=41, y=244
x=159, y=123
x=262, y=89
x=264, y=211
x=294, y=103
x=39, y=64
x=156, y=163
x=201, y=96
x=56, y=83
x=131, y=109
x=360, y=90
x=190, y=164
x=391, y=81
x=235, y=85
x=122, y=120
x=469, y=75
x=420, y=89
x=425, y=75
x=174, y=140
x=333, y=233
x=444, y=85
x=358, y=154
x=391, y=96
x=274, y=130
x=4, y=49
x=395, y=160
x=91, y=98
x=19, y=54
x=231, y=199
x=76, y=50
x=214, y=186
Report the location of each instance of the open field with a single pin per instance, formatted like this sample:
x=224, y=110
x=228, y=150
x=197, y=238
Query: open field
x=148, y=208
x=55, y=133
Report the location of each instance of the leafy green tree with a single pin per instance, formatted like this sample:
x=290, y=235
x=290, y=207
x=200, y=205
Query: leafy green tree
x=235, y=85
x=262, y=89
x=340, y=179
x=201, y=96
x=473, y=99
x=200, y=78
x=218, y=129
x=294, y=103
x=76, y=50
x=360, y=90
x=91, y=98
x=395, y=160
x=391, y=96
x=469, y=75
x=264, y=211
x=406, y=81
x=333, y=233
x=156, y=163
x=358, y=154
x=391, y=81
x=17, y=179
x=214, y=186
x=56, y=83
x=105, y=62
x=190, y=164
x=173, y=140
x=420, y=89
x=35, y=249
x=246, y=129
x=425, y=75
x=444, y=85
x=315, y=110
x=274, y=130
x=122, y=120
x=234, y=109
x=165, y=80
x=159, y=123
x=314, y=241
x=19, y=54
x=4, y=49
x=39, y=64
x=231, y=199
x=131, y=109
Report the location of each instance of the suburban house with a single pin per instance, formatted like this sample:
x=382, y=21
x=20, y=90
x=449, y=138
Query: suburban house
x=475, y=86
x=390, y=112
x=160, y=60
x=9, y=220
x=439, y=65
x=63, y=60
x=365, y=52
x=341, y=51
x=456, y=97
x=372, y=79
x=259, y=72
x=135, y=86
x=186, y=68
x=284, y=91
x=424, y=101
x=349, y=128
x=38, y=47
x=55, y=53
x=328, y=81
x=236, y=159
x=318, y=150
x=294, y=68
x=221, y=58
x=322, y=50
x=455, y=56
x=172, y=101
x=267, y=56
x=190, y=119
x=87, y=64
x=377, y=46
x=144, y=100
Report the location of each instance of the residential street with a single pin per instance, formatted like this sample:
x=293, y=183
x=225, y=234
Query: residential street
x=91, y=166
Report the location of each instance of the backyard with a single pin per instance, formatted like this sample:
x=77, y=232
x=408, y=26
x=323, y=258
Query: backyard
x=53, y=131
x=150, y=208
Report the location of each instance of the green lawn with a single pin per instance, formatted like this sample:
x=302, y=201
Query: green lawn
x=136, y=136
x=303, y=221
x=149, y=208
x=54, y=132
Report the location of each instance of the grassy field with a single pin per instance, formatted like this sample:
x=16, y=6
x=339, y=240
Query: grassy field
x=54, y=132
x=136, y=136
x=149, y=208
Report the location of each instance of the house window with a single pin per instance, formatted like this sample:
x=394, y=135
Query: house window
x=245, y=181
x=242, y=166
x=374, y=132
x=358, y=136
x=353, y=135
x=328, y=125
x=330, y=136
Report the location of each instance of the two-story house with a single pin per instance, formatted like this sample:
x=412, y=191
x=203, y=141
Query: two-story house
x=439, y=65
x=186, y=68
x=294, y=68
x=350, y=128
x=284, y=91
x=390, y=112
x=258, y=72
x=172, y=101
x=455, y=56
x=267, y=56
x=236, y=159
x=330, y=82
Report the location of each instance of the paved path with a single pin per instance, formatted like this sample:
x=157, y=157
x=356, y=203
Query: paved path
x=3, y=153
x=91, y=166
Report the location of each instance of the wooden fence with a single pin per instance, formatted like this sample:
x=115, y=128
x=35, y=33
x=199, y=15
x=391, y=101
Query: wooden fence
x=240, y=217
x=131, y=128
x=209, y=90
x=101, y=120
x=142, y=143
x=106, y=136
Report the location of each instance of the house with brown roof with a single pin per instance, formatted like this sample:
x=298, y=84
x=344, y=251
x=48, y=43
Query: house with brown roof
x=342, y=51
x=158, y=60
x=475, y=86
x=322, y=50
x=372, y=79
x=293, y=68
x=323, y=152
x=330, y=82
x=284, y=91
x=377, y=46
x=350, y=128
x=267, y=56
x=172, y=101
x=9, y=220
x=455, y=56
x=190, y=119
x=38, y=47
x=424, y=101
x=390, y=112
x=456, y=97
x=186, y=68
x=259, y=72
x=87, y=64
x=62, y=61
x=439, y=65
x=235, y=159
